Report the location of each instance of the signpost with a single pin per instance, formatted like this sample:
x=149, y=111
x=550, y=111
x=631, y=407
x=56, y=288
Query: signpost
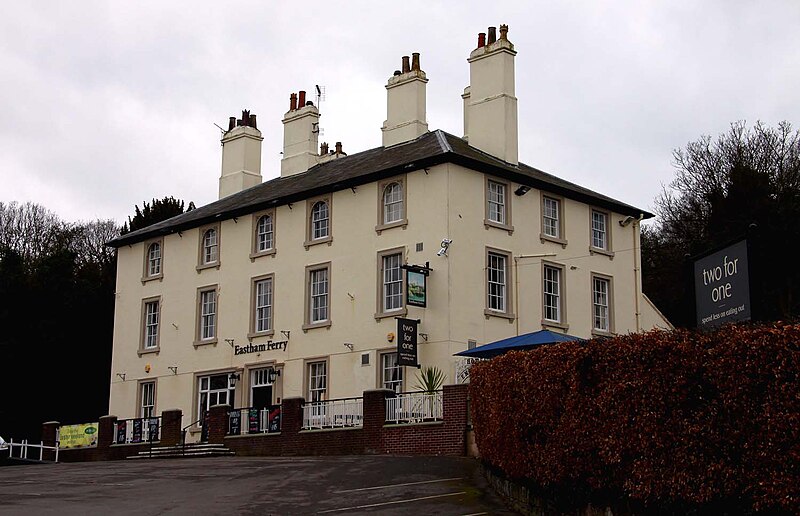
x=416, y=284
x=722, y=286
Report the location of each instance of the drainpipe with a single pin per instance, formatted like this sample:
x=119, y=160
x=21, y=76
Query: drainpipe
x=637, y=271
x=516, y=281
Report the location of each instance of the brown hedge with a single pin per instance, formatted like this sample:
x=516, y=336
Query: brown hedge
x=661, y=419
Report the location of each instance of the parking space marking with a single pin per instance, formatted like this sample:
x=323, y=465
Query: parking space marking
x=409, y=500
x=397, y=485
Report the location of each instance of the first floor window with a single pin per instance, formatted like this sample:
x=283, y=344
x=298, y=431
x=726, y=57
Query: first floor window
x=318, y=295
x=552, y=293
x=208, y=314
x=151, y=311
x=317, y=381
x=391, y=373
x=599, y=235
x=550, y=217
x=214, y=390
x=392, y=282
x=147, y=396
x=600, y=302
x=496, y=282
x=263, y=312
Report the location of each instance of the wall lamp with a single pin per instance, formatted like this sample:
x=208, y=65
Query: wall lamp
x=233, y=378
x=273, y=375
x=522, y=190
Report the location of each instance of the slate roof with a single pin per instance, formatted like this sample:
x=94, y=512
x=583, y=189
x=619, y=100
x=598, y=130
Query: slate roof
x=428, y=150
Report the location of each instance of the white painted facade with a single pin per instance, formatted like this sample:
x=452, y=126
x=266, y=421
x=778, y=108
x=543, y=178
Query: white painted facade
x=446, y=200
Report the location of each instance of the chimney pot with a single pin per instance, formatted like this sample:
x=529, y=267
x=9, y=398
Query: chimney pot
x=397, y=72
x=415, y=61
x=492, y=35
x=231, y=122
x=504, y=31
x=481, y=39
x=301, y=99
x=338, y=147
x=406, y=67
x=323, y=149
x=292, y=101
x=253, y=121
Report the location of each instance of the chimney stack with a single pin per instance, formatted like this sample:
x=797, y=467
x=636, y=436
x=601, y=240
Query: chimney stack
x=300, y=135
x=490, y=104
x=405, y=104
x=241, y=155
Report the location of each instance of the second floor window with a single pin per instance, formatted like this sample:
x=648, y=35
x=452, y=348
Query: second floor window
x=392, y=282
x=208, y=314
x=392, y=203
x=264, y=234
x=552, y=293
x=320, y=220
x=497, y=202
x=318, y=284
x=263, y=311
x=154, y=259
x=496, y=282
x=551, y=225
x=151, y=311
x=210, y=252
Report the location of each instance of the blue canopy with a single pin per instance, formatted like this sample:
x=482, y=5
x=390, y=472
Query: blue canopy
x=519, y=342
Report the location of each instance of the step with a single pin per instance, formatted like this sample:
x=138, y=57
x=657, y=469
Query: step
x=190, y=450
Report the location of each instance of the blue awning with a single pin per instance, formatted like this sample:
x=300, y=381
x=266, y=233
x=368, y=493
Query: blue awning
x=519, y=342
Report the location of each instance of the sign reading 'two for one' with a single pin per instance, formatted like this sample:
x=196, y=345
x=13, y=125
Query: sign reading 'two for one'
x=407, y=342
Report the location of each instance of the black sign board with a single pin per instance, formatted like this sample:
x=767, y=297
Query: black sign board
x=275, y=419
x=722, y=286
x=235, y=422
x=253, y=420
x=407, y=342
x=137, y=431
x=122, y=428
x=153, y=429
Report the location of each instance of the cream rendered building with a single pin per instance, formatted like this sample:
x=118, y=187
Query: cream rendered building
x=302, y=275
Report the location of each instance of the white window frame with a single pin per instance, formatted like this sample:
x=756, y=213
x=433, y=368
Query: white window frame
x=551, y=218
x=263, y=302
x=553, y=298
x=265, y=233
x=147, y=399
x=229, y=391
x=599, y=228
x=391, y=375
x=392, y=284
x=496, y=199
x=602, y=304
x=393, y=203
x=207, y=315
x=210, y=246
x=318, y=296
x=152, y=319
x=317, y=384
x=154, y=259
x=320, y=220
x=497, y=284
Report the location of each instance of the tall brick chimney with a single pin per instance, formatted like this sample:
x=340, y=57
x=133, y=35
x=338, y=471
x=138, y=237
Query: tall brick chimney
x=405, y=104
x=490, y=104
x=241, y=155
x=300, y=136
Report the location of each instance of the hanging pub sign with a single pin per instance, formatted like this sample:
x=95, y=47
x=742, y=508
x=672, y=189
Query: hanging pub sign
x=416, y=284
x=407, y=342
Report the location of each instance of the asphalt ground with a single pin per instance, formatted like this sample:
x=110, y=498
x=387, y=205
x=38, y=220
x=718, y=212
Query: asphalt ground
x=251, y=486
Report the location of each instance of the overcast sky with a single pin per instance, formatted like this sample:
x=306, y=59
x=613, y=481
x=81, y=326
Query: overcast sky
x=106, y=104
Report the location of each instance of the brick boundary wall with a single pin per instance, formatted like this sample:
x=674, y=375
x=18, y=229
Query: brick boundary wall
x=375, y=437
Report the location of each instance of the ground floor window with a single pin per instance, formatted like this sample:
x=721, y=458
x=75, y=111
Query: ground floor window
x=260, y=388
x=213, y=390
x=391, y=372
x=147, y=399
x=317, y=381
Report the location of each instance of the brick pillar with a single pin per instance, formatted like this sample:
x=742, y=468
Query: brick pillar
x=218, y=423
x=455, y=417
x=105, y=432
x=291, y=424
x=374, y=419
x=171, y=426
x=49, y=431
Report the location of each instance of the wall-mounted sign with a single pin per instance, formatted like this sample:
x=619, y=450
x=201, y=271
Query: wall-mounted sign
x=407, y=342
x=722, y=286
x=258, y=348
x=416, y=284
x=76, y=436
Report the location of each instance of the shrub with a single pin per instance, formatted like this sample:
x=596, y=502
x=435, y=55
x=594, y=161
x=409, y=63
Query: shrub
x=672, y=420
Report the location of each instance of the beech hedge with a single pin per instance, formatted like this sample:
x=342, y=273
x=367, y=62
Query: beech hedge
x=663, y=419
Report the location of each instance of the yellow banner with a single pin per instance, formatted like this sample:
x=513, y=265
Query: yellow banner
x=77, y=436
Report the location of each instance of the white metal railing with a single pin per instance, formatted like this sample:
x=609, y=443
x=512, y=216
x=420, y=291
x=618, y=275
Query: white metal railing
x=24, y=447
x=415, y=407
x=139, y=430
x=342, y=413
x=250, y=420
